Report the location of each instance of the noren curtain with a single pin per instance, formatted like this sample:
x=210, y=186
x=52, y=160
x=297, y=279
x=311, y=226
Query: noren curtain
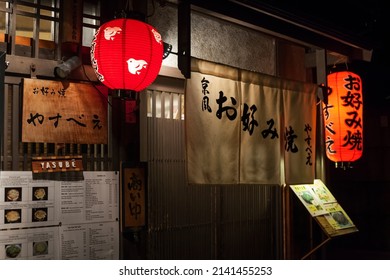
x=244, y=127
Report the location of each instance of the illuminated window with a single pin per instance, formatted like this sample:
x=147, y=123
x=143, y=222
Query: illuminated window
x=4, y=16
x=168, y=105
x=30, y=26
x=37, y=19
x=34, y=25
x=91, y=21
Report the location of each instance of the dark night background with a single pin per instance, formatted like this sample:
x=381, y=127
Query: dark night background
x=363, y=23
x=342, y=27
x=363, y=191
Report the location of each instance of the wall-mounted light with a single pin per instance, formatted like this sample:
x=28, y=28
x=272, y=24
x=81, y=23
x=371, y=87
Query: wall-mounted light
x=127, y=54
x=343, y=118
x=64, y=69
x=167, y=50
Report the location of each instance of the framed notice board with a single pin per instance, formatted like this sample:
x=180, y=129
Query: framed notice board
x=133, y=196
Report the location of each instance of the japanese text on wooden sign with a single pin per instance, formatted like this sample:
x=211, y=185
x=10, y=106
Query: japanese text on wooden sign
x=56, y=112
x=134, y=197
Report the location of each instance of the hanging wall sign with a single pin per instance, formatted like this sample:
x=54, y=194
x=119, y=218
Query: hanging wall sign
x=72, y=21
x=57, y=164
x=56, y=112
x=127, y=54
x=343, y=117
x=133, y=213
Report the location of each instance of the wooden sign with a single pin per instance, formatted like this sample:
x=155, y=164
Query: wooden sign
x=63, y=112
x=133, y=197
x=57, y=164
x=72, y=21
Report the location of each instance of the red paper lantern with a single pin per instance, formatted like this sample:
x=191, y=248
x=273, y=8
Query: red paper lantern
x=127, y=54
x=343, y=116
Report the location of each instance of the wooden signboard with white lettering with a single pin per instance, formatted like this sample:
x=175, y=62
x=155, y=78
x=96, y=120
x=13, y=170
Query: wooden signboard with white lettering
x=63, y=112
x=57, y=164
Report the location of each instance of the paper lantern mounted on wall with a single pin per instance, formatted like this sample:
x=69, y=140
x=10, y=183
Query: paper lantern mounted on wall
x=343, y=117
x=126, y=54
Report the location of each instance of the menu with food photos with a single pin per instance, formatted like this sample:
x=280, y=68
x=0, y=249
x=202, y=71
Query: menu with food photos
x=26, y=203
x=55, y=213
x=323, y=206
x=30, y=244
x=309, y=199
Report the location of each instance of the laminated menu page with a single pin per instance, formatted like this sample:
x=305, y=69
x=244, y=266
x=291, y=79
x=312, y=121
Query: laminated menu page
x=313, y=197
x=322, y=205
x=337, y=217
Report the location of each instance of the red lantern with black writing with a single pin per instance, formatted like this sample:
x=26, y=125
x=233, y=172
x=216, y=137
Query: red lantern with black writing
x=126, y=54
x=343, y=117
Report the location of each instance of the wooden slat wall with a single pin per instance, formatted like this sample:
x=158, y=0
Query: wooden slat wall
x=17, y=155
x=202, y=222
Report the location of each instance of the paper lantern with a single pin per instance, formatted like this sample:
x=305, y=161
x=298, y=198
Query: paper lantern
x=126, y=54
x=343, y=117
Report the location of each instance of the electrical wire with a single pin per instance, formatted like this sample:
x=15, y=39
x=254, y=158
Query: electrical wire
x=93, y=84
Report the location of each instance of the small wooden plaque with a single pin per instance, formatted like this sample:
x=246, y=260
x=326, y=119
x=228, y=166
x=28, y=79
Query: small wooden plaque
x=133, y=196
x=57, y=164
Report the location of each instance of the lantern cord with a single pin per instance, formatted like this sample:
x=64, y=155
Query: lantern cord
x=341, y=59
x=325, y=90
x=127, y=7
x=85, y=74
x=154, y=9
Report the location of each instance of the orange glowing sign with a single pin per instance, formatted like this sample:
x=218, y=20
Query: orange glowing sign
x=343, y=117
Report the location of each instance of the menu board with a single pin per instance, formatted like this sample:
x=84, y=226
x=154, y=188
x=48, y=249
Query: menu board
x=60, y=219
x=26, y=203
x=29, y=244
x=96, y=241
x=322, y=205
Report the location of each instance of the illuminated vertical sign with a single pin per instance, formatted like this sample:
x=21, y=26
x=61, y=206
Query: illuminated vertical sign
x=343, y=117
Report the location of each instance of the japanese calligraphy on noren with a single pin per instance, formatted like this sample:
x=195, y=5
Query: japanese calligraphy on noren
x=249, y=121
x=54, y=112
x=240, y=126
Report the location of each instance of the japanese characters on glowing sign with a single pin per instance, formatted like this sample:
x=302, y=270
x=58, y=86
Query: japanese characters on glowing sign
x=343, y=117
x=126, y=54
